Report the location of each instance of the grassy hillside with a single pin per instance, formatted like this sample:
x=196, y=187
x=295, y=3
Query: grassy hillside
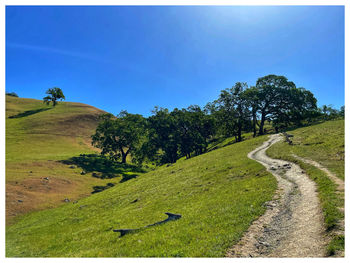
x=46, y=132
x=323, y=143
x=218, y=195
x=38, y=138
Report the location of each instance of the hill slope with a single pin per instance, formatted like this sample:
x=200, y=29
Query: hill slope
x=218, y=195
x=37, y=138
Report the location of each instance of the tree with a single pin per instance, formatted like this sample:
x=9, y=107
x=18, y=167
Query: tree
x=251, y=97
x=118, y=137
x=178, y=133
x=342, y=111
x=194, y=128
x=232, y=110
x=54, y=94
x=302, y=106
x=12, y=94
x=329, y=113
x=272, y=97
x=162, y=145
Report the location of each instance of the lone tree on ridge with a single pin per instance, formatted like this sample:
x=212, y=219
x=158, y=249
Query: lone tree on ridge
x=53, y=95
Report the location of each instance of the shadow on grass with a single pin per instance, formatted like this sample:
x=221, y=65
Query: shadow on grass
x=28, y=113
x=104, y=168
x=99, y=188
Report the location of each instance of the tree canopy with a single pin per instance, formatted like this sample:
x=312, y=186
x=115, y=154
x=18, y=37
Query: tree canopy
x=167, y=135
x=119, y=136
x=54, y=94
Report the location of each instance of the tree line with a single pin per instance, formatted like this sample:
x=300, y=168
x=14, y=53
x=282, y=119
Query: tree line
x=166, y=136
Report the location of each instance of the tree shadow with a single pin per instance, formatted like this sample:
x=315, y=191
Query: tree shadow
x=28, y=113
x=102, y=167
x=100, y=188
x=127, y=177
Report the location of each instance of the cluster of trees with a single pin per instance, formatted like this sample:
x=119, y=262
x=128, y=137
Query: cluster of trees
x=161, y=138
x=273, y=99
x=328, y=113
x=165, y=136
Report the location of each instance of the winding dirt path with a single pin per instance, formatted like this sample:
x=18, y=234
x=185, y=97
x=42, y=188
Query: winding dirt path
x=339, y=182
x=340, y=189
x=292, y=225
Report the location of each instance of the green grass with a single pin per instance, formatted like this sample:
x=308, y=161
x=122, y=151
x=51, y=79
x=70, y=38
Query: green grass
x=323, y=143
x=38, y=137
x=218, y=195
x=48, y=133
x=337, y=243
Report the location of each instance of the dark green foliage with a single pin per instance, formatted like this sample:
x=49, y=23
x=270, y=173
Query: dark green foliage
x=118, y=137
x=162, y=136
x=13, y=94
x=281, y=102
x=194, y=128
x=274, y=99
x=179, y=133
x=166, y=136
x=231, y=111
x=54, y=94
x=301, y=107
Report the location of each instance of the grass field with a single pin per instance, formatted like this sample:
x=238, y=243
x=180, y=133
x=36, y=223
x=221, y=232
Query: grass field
x=218, y=195
x=323, y=143
x=38, y=137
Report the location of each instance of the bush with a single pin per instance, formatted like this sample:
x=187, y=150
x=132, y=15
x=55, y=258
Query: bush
x=13, y=94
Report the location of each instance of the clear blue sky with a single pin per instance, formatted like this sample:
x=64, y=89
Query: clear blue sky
x=134, y=58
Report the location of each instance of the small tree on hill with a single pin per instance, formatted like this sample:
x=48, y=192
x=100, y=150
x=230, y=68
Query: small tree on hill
x=54, y=94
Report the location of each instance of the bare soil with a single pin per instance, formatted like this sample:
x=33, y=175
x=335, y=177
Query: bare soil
x=35, y=193
x=292, y=225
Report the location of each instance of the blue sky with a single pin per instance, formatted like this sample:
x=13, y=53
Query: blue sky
x=135, y=58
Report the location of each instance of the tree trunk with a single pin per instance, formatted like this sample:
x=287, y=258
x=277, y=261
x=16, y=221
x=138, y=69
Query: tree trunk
x=239, y=132
x=254, y=124
x=123, y=158
x=261, y=128
x=124, y=154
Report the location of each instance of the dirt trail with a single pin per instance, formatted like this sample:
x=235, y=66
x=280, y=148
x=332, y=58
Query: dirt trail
x=340, y=188
x=339, y=182
x=292, y=225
